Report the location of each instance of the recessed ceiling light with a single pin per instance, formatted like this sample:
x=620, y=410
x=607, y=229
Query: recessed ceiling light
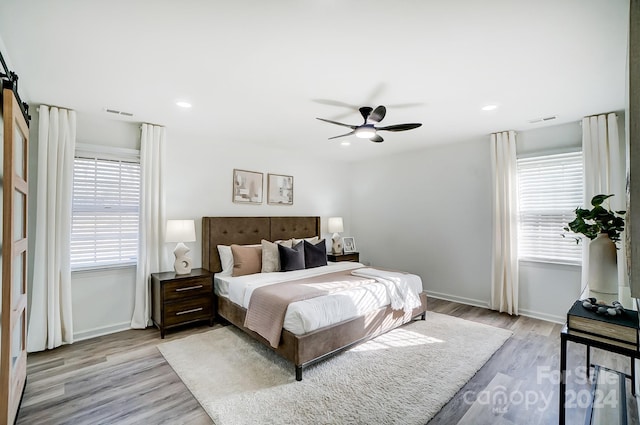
x=490, y=107
x=183, y=104
x=346, y=143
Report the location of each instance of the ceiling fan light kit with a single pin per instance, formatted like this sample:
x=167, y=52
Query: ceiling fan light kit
x=368, y=130
x=365, y=131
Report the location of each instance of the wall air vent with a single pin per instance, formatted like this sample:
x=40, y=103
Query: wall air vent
x=537, y=120
x=116, y=112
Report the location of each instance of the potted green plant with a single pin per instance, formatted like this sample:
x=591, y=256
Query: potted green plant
x=597, y=220
x=604, y=228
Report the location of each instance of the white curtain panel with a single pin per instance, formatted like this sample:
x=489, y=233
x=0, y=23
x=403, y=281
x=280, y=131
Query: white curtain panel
x=604, y=174
x=152, y=220
x=50, y=321
x=504, y=255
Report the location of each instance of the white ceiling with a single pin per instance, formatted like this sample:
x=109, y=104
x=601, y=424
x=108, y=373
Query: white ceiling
x=260, y=71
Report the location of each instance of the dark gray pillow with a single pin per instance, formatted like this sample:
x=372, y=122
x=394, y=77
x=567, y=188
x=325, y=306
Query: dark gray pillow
x=291, y=258
x=315, y=255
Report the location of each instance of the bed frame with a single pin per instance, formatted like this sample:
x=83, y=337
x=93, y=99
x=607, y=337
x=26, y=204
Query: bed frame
x=301, y=350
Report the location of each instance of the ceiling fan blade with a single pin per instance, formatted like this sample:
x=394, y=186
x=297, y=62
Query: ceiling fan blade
x=378, y=114
x=365, y=111
x=404, y=105
x=400, y=127
x=342, y=135
x=353, y=127
x=377, y=139
x=331, y=102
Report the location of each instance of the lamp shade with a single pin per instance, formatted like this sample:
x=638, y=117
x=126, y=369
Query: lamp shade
x=335, y=225
x=180, y=231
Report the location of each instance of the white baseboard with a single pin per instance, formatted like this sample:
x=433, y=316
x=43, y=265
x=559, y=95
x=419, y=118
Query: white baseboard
x=457, y=299
x=484, y=304
x=543, y=316
x=103, y=330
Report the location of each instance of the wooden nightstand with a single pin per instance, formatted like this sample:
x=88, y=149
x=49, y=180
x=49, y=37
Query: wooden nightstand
x=351, y=256
x=178, y=299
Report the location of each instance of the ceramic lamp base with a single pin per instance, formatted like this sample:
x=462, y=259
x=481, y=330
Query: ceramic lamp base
x=183, y=264
x=336, y=247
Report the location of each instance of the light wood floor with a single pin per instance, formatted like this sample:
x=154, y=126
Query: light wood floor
x=123, y=379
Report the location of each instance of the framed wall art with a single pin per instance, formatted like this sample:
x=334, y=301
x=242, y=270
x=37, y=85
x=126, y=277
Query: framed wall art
x=247, y=187
x=279, y=189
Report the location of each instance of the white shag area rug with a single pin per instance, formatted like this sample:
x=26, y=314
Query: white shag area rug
x=402, y=377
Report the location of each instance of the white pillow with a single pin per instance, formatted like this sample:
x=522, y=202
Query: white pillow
x=226, y=260
x=313, y=241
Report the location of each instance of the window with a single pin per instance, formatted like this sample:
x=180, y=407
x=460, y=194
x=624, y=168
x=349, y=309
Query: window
x=550, y=188
x=105, y=210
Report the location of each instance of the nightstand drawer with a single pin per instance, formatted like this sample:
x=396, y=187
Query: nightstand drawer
x=183, y=288
x=351, y=256
x=187, y=310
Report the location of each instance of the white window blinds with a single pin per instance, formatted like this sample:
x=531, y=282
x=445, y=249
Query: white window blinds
x=550, y=188
x=106, y=205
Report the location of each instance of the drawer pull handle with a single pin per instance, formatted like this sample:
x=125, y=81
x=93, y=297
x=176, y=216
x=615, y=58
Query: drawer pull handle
x=193, y=310
x=188, y=288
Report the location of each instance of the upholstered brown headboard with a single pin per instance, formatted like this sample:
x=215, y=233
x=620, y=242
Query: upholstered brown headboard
x=250, y=230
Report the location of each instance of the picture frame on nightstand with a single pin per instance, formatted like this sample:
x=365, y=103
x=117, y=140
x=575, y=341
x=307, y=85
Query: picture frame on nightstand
x=348, y=244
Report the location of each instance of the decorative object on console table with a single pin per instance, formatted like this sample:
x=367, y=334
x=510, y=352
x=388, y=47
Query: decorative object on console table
x=335, y=226
x=178, y=299
x=604, y=228
x=349, y=244
x=181, y=231
x=603, y=268
x=352, y=256
x=620, y=330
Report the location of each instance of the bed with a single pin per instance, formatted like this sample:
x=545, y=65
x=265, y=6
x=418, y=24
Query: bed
x=302, y=347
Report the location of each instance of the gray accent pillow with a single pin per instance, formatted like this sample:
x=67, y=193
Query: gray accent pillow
x=315, y=255
x=291, y=258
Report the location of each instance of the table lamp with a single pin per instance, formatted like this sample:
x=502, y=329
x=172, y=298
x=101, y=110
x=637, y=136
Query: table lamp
x=336, y=226
x=181, y=231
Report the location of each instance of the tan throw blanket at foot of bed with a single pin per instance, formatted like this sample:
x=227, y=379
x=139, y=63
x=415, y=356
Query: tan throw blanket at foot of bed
x=268, y=304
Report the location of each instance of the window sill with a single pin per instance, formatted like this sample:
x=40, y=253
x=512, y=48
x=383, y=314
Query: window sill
x=98, y=269
x=549, y=262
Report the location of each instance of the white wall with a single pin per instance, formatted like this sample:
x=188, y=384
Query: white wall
x=429, y=212
x=425, y=212
x=200, y=175
x=198, y=183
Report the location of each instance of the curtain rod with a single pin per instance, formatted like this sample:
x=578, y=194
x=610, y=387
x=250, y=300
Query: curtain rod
x=597, y=115
x=54, y=106
x=605, y=114
x=148, y=123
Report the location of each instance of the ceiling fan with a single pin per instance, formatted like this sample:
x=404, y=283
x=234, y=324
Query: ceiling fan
x=368, y=130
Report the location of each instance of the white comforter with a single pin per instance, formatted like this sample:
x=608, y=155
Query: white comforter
x=400, y=287
x=308, y=315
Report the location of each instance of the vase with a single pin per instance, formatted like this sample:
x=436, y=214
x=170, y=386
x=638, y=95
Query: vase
x=603, y=269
